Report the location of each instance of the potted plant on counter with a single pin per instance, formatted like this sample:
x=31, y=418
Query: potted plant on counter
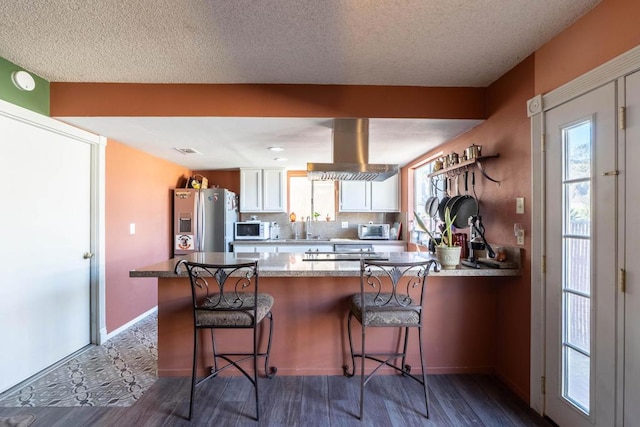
x=447, y=253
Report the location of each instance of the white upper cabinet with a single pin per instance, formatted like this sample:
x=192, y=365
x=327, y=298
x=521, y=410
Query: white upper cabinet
x=374, y=196
x=355, y=196
x=385, y=195
x=263, y=190
x=250, y=190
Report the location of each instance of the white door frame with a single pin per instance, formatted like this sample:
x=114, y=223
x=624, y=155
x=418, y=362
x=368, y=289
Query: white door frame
x=98, y=329
x=614, y=69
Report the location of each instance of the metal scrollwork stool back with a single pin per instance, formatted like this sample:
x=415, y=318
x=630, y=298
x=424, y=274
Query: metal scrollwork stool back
x=227, y=297
x=391, y=295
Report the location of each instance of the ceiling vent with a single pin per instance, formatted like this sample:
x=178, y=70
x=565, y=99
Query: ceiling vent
x=350, y=156
x=187, y=150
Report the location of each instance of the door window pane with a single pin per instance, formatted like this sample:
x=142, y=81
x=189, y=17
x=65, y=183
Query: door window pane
x=577, y=378
x=578, y=200
x=578, y=147
x=578, y=265
x=576, y=256
x=578, y=325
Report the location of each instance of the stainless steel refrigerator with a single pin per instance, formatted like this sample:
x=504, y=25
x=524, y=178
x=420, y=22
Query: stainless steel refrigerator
x=203, y=220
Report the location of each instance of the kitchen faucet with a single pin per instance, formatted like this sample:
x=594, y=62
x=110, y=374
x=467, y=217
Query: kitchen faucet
x=307, y=227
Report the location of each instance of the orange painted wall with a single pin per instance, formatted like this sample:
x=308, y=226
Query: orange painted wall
x=609, y=29
x=137, y=191
x=223, y=179
x=505, y=132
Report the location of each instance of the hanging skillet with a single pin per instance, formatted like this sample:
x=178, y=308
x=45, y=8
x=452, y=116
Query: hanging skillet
x=443, y=202
x=431, y=207
x=463, y=207
x=452, y=200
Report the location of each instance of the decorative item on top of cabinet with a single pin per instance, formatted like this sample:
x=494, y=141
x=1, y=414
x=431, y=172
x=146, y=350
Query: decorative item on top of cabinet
x=263, y=190
x=465, y=164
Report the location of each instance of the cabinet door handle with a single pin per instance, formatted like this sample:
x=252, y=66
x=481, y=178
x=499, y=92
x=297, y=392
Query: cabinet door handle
x=87, y=255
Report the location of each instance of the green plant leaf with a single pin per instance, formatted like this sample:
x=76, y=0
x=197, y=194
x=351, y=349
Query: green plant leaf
x=424, y=228
x=448, y=227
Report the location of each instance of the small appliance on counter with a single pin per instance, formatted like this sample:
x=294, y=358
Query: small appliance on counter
x=373, y=231
x=477, y=242
x=275, y=231
x=252, y=230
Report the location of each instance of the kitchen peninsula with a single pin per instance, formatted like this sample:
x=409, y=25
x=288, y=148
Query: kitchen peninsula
x=310, y=313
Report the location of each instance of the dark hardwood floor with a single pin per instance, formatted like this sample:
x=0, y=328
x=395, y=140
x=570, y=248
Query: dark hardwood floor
x=390, y=400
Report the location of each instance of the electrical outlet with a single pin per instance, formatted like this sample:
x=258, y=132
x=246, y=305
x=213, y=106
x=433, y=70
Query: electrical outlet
x=345, y=224
x=520, y=205
x=520, y=238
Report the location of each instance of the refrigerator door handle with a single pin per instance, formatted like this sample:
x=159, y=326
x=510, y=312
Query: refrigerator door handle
x=198, y=226
x=203, y=225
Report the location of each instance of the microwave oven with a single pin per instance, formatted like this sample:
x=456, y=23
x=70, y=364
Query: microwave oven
x=251, y=230
x=373, y=231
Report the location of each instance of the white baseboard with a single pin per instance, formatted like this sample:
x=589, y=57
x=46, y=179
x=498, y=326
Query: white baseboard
x=104, y=336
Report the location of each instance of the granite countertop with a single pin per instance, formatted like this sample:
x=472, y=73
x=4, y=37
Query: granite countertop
x=317, y=241
x=294, y=265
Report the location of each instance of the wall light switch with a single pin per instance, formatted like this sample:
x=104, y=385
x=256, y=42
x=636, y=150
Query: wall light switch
x=132, y=228
x=345, y=224
x=518, y=230
x=520, y=205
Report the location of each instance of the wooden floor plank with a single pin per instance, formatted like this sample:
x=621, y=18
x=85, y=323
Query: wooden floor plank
x=390, y=400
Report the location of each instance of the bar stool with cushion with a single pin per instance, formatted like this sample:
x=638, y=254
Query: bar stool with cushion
x=391, y=296
x=226, y=297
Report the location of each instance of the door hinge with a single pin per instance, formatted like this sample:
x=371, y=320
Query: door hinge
x=544, y=264
x=622, y=118
x=543, y=143
x=543, y=385
x=622, y=285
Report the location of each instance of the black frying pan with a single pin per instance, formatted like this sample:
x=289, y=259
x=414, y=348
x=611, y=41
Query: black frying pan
x=431, y=207
x=450, y=202
x=443, y=203
x=462, y=208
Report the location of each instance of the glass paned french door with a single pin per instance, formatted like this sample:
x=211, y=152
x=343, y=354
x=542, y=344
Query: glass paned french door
x=580, y=259
x=576, y=280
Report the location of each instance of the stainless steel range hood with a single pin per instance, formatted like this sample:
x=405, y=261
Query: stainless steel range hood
x=350, y=156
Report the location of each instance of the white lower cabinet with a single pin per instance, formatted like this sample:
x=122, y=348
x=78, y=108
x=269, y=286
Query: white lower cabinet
x=396, y=247
x=252, y=248
x=281, y=247
x=304, y=248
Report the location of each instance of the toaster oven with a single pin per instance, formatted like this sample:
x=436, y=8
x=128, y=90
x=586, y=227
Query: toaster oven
x=373, y=231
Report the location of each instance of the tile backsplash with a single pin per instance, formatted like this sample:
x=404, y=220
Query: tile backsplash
x=331, y=229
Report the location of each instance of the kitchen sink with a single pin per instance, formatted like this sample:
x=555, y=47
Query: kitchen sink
x=300, y=240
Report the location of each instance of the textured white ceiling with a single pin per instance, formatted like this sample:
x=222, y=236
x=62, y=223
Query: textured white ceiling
x=359, y=42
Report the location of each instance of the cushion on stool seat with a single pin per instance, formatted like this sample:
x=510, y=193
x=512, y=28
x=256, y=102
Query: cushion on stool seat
x=381, y=312
x=219, y=317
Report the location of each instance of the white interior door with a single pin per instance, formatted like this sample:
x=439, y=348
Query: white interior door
x=632, y=249
x=45, y=222
x=580, y=280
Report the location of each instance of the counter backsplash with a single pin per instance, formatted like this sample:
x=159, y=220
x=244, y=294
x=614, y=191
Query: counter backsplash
x=331, y=229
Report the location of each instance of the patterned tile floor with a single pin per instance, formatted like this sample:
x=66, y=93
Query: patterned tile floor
x=116, y=373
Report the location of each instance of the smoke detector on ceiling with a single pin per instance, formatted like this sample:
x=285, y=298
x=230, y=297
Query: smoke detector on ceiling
x=23, y=80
